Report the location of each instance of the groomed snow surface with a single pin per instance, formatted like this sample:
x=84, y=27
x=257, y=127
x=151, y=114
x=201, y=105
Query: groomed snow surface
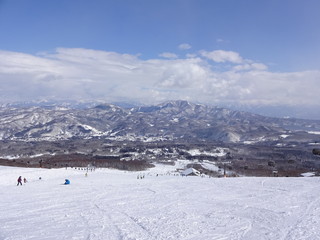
x=111, y=204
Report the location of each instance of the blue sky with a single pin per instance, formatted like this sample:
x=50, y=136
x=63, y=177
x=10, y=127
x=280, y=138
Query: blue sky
x=284, y=33
x=231, y=52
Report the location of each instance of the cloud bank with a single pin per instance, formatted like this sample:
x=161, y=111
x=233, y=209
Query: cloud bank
x=216, y=77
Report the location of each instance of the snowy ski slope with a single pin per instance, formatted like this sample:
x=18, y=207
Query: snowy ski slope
x=111, y=204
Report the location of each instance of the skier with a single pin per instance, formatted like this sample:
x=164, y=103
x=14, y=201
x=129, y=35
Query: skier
x=19, y=181
x=67, y=181
x=25, y=180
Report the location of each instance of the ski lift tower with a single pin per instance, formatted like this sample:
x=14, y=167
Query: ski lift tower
x=224, y=167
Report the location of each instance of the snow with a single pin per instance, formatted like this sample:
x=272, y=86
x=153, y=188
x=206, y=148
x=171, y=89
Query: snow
x=314, y=132
x=95, y=131
x=308, y=174
x=19, y=156
x=249, y=142
x=280, y=144
x=209, y=165
x=112, y=204
x=315, y=143
x=284, y=135
x=234, y=137
x=176, y=120
x=218, y=152
x=132, y=137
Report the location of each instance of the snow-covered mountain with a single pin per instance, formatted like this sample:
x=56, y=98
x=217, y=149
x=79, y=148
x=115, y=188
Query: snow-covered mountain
x=167, y=121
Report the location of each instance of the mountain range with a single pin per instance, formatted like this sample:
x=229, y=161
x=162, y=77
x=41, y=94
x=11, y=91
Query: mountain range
x=167, y=121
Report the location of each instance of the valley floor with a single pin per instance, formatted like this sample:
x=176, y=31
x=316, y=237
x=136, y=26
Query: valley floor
x=111, y=204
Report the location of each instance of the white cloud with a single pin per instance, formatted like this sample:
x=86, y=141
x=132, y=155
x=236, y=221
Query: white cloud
x=90, y=74
x=169, y=55
x=250, y=66
x=180, y=74
x=184, y=46
x=222, y=56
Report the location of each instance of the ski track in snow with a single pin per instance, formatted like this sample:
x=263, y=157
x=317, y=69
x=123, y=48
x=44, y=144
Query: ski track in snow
x=111, y=204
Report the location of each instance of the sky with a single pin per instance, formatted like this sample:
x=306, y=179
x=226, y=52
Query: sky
x=261, y=54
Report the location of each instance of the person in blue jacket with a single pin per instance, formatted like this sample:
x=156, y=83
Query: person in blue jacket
x=67, y=181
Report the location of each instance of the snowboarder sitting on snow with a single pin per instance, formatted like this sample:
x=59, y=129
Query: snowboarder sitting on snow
x=67, y=181
x=19, y=181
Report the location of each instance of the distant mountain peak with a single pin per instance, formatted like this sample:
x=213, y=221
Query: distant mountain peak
x=176, y=103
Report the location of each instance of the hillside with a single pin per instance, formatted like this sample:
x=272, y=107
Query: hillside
x=115, y=205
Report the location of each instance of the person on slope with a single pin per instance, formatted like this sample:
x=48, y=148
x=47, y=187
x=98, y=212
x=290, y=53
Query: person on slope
x=19, y=181
x=25, y=180
x=67, y=181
